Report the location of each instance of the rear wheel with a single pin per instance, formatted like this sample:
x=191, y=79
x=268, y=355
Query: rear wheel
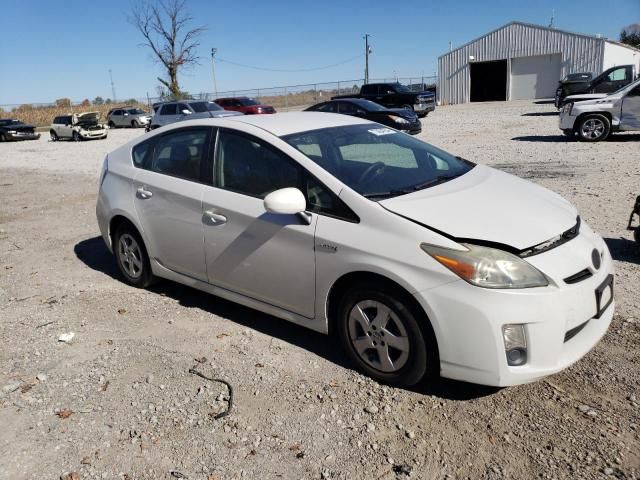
x=379, y=329
x=53, y=135
x=131, y=256
x=593, y=128
x=408, y=107
x=2, y=137
x=636, y=235
x=111, y=124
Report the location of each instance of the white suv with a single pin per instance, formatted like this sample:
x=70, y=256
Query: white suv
x=80, y=126
x=595, y=118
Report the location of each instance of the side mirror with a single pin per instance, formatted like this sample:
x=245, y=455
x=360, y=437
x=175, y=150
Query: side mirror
x=286, y=201
x=186, y=112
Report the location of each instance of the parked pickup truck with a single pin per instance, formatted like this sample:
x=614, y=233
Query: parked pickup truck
x=609, y=81
x=594, y=119
x=396, y=95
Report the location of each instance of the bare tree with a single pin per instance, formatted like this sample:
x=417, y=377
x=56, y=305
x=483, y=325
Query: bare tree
x=164, y=26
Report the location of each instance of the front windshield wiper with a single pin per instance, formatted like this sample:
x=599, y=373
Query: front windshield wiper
x=394, y=193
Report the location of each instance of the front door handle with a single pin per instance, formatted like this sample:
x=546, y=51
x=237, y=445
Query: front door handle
x=215, y=217
x=143, y=193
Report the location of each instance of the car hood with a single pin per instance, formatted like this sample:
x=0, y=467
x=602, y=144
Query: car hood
x=585, y=96
x=88, y=117
x=491, y=206
x=403, y=112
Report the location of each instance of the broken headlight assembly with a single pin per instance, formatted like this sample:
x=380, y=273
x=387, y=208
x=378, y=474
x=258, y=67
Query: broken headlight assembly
x=488, y=267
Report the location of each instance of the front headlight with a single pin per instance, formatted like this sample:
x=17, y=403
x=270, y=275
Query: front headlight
x=11, y=131
x=488, y=267
x=567, y=108
x=400, y=120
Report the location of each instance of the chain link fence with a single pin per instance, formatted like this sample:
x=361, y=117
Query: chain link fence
x=287, y=98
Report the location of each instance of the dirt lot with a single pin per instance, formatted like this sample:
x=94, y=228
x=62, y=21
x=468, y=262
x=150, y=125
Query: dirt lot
x=118, y=402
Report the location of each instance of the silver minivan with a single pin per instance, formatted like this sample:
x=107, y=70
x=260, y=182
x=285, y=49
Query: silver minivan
x=177, y=111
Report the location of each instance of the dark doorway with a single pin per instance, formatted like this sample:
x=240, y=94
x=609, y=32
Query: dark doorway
x=488, y=81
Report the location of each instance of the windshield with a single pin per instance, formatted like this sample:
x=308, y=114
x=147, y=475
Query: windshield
x=246, y=102
x=370, y=106
x=402, y=88
x=200, y=107
x=135, y=111
x=4, y=123
x=376, y=161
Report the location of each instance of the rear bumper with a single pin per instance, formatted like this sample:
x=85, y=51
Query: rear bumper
x=22, y=136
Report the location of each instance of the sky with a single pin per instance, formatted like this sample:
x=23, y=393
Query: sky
x=50, y=53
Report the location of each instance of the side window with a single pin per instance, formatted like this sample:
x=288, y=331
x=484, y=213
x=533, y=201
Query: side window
x=56, y=120
x=347, y=108
x=246, y=165
x=635, y=92
x=389, y=90
x=327, y=107
x=182, y=107
x=117, y=112
x=139, y=153
x=168, y=109
x=180, y=153
x=617, y=75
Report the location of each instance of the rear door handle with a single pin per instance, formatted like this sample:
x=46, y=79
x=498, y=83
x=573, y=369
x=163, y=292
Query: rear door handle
x=143, y=193
x=215, y=217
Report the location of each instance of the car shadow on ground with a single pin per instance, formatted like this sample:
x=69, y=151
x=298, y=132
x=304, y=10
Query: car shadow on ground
x=542, y=138
x=624, y=250
x=540, y=114
x=94, y=254
x=544, y=102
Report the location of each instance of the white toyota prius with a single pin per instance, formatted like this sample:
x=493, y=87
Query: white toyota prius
x=420, y=262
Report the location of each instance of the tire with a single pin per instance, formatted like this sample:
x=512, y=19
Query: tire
x=111, y=124
x=131, y=256
x=2, y=137
x=75, y=136
x=134, y=124
x=53, y=135
x=414, y=353
x=636, y=236
x=593, y=128
x=408, y=107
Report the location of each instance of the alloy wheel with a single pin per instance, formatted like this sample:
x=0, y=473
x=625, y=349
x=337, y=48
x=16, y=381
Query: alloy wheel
x=378, y=336
x=593, y=128
x=130, y=255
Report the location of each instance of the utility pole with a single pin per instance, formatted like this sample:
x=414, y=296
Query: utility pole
x=213, y=71
x=367, y=51
x=113, y=88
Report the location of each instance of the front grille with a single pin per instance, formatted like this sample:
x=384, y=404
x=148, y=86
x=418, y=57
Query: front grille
x=574, y=331
x=578, y=277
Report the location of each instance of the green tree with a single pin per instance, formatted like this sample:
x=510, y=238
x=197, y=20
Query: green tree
x=98, y=101
x=63, y=102
x=630, y=35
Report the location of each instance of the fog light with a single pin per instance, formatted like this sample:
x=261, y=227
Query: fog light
x=515, y=344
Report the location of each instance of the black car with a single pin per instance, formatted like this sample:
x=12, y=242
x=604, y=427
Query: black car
x=396, y=95
x=11, y=129
x=403, y=119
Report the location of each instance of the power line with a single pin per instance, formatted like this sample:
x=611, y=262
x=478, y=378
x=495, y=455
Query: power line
x=291, y=71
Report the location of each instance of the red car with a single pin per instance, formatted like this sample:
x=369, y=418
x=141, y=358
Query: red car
x=246, y=105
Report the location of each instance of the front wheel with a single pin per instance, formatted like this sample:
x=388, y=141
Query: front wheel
x=593, y=128
x=111, y=124
x=2, y=137
x=134, y=124
x=380, y=331
x=131, y=256
x=75, y=137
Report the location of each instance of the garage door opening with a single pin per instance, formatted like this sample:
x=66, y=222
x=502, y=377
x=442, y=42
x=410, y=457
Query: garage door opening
x=488, y=81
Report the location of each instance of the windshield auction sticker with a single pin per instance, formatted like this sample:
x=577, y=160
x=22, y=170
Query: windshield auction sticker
x=381, y=131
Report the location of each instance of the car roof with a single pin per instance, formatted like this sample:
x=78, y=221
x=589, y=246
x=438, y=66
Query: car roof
x=282, y=124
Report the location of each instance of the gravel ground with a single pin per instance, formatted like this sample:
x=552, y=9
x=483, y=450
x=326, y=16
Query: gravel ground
x=118, y=401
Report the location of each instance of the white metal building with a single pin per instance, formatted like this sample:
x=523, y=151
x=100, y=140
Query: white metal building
x=524, y=61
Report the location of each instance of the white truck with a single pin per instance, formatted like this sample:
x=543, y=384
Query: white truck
x=593, y=117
